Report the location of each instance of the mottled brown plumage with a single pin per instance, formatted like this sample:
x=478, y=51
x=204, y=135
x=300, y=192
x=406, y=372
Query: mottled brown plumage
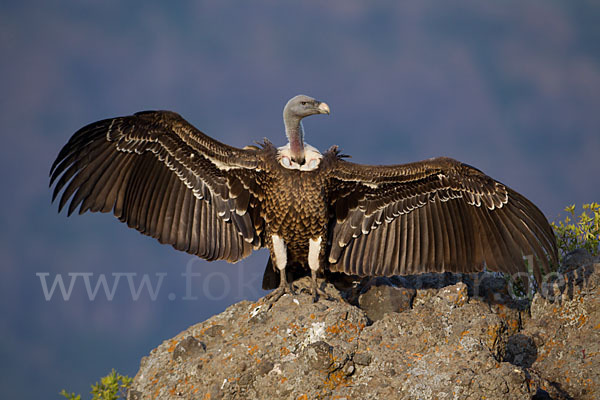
x=295, y=207
x=165, y=178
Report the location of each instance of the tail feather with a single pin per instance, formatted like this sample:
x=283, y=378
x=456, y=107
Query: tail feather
x=270, y=277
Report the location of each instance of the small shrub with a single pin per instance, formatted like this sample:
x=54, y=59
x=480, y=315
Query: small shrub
x=112, y=387
x=579, y=232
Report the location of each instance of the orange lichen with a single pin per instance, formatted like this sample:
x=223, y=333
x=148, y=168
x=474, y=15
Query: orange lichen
x=333, y=329
x=335, y=379
x=342, y=327
x=173, y=345
x=252, y=350
x=415, y=356
x=295, y=327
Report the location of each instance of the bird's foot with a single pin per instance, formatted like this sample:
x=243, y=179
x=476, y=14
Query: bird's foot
x=315, y=291
x=318, y=293
x=276, y=294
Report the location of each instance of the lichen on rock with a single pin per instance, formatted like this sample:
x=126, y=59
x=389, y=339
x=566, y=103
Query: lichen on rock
x=454, y=340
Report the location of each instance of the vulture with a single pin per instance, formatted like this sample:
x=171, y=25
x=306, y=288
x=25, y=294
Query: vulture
x=314, y=211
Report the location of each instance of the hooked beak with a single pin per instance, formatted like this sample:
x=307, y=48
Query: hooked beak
x=323, y=108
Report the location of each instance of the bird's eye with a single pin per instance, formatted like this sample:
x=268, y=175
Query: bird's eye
x=303, y=103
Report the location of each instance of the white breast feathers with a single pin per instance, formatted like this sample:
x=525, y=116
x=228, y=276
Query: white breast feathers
x=312, y=158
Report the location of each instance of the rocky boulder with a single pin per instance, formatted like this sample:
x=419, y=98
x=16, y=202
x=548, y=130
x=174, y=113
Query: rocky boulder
x=455, y=337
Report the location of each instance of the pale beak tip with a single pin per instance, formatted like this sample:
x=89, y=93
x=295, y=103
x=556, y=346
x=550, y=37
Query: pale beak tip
x=324, y=108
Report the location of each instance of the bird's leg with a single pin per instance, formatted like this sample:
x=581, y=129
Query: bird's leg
x=313, y=275
x=279, y=255
x=314, y=252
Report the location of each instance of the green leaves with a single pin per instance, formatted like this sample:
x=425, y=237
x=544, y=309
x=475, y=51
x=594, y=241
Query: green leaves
x=579, y=232
x=112, y=387
x=70, y=396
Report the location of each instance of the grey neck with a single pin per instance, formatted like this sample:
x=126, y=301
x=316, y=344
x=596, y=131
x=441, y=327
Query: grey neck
x=295, y=134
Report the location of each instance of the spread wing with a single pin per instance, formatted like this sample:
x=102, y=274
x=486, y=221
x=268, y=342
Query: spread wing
x=432, y=216
x=165, y=178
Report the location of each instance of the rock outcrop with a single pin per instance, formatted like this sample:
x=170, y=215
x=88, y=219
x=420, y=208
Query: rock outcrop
x=427, y=337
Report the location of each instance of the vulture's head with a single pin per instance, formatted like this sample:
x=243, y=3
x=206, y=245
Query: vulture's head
x=302, y=106
x=297, y=108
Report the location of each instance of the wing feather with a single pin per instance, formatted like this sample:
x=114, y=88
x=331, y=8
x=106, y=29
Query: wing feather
x=78, y=175
x=96, y=169
x=196, y=221
x=165, y=221
x=400, y=234
x=183, y=238
x=103, y=195
x=206, y=232
x=432, y=216
x=157, y=200
x=410, y=243
x=437, y=247
x=165, y=178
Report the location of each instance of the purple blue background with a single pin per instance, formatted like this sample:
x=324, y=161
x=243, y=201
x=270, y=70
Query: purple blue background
x=511, y=87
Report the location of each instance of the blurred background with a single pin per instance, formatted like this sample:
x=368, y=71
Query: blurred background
x=512, y=88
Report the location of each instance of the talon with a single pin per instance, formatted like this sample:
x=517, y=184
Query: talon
x=284, y=287
x=316, y=293
x=277, y=293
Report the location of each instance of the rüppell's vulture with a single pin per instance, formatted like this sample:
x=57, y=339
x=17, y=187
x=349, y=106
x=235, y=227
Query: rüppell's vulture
x=159, y=174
